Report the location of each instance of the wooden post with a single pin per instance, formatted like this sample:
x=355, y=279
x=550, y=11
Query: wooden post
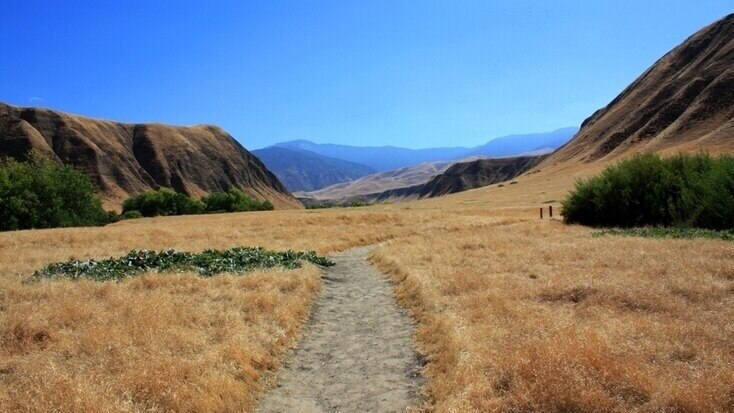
x=550, y=211
x=541, y=212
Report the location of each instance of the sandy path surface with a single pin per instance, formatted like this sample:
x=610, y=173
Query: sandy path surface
x=357, y=353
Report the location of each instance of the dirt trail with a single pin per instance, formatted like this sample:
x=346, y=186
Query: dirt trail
x=357, y=353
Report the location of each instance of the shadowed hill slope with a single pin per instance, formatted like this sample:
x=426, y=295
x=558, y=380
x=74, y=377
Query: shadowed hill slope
x=482, y=172
x=459, y=177
x=379, y=182
x=125, y=159
x=684, y=102
x=302, y=170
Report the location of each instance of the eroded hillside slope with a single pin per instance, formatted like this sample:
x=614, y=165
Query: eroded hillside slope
x=124, y=159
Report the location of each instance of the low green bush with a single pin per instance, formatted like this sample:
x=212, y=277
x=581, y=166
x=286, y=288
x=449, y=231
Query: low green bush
x=647, y=190
x=164, y=201
x=41, y=193
x=353, y=204
x=321, y=206
x=234, y=200
x=206, y=263
x=132, y=214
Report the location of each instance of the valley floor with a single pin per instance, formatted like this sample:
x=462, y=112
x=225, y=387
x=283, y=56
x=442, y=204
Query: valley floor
x=512, y=313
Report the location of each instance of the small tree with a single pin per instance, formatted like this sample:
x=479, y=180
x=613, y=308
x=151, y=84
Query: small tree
x=41, y=193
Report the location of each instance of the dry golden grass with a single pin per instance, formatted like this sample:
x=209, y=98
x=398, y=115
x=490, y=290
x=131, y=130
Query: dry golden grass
x=537, y=316
x=153, y=343
x=514, y=313
x=160, y=342
x=320, y=230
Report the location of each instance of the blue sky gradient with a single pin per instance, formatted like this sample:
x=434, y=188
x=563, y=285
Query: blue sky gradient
x=406, y=73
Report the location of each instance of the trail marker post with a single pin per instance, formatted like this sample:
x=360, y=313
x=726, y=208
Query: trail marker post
x=541, y=212
x=550, y=211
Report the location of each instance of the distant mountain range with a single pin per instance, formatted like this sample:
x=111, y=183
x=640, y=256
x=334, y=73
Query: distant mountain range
x=305, y=166
x=520, y=145
x=385, y=158
x=301, y=170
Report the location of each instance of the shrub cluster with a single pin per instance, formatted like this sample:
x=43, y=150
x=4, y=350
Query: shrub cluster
x=41, y=193
x=234, y=200
x=353, y=204
x=168, y=202
x=162, y=202
x=206, y=263
x=647, y=190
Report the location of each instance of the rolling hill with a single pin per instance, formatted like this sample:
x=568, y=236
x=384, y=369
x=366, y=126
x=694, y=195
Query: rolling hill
x=684, y=102
x=464, y=176
x=448, y=178
x=124, y=159
x=301, y=170
x=376, y=183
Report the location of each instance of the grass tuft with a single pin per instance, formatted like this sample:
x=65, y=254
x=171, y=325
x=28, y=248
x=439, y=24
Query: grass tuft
x=206, y=263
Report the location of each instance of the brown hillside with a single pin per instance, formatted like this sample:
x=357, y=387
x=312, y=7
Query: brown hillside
x=459, y=177
x=684, y=102
x=126, y=159
x=482, y=172
x=366, y=187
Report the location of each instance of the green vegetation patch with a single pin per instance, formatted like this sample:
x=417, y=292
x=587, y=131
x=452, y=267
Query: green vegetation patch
x=41, y=193
x=657, y=232
x=688, y=191
x=166, y=201
x=234, y=200
x=354, y=204
x=207, y=263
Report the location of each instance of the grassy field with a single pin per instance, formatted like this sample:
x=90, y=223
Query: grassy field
x=514, y=314
x=160, y=342
x=537, y=316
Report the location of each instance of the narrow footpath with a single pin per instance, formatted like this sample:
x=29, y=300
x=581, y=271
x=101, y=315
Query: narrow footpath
x=357, y=353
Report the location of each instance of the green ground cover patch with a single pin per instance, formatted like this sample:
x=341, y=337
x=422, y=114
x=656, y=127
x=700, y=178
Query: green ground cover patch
x=206, y=263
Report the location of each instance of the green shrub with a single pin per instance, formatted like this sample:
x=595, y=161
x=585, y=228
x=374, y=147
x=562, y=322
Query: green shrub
x=321, y=206
x=646, y=190
x=164, y=201
x=234, y=200
x=168, y=202
x=112, y=217
x=266, y=206
x=132, y=214
x=41, y=193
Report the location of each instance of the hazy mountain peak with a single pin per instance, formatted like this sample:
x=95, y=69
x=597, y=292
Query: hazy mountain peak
x=388, y=158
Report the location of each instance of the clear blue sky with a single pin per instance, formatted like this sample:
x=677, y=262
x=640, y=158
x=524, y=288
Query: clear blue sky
x=406, y=73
